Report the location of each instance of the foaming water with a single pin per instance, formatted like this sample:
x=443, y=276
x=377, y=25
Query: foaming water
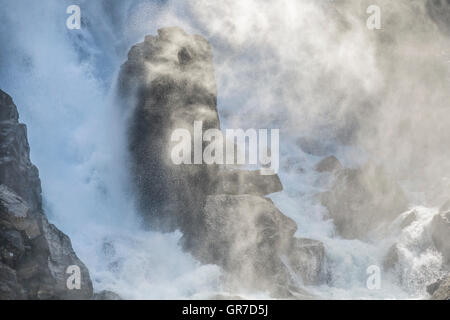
x=347, y=261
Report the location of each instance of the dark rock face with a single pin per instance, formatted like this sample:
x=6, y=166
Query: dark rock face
x=16, y=169
x=168, y=83
x=439, y=11
x=34, y=255
x=247, y=182
x=106, y=295
x=249, y=236
x=440, y=290
x=360, y=200
x=244, y=234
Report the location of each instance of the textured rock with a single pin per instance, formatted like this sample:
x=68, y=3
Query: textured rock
x=248, y=236
x=440, y=290
x=440, y=233
x=409, y=219
x=62, y=255
x=106, y=295
x=168, y=82
x=34, y=255
x=247, y=182
x=391, y=258
x=9, y=285
x=361, y=200
x=307, y=258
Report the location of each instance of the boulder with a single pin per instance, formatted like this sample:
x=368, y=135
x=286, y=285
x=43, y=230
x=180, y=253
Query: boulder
x=391, y=258
x=61, y=256
x=307, y=258
x=440, y=290
x=106, y=295
x=440, y=233
x=238, y=182
x=248, y=236
x=10, y=289
x=16, y=214
x=439, y=11
x=408, y=219
x=361, y=200
x=168, y=83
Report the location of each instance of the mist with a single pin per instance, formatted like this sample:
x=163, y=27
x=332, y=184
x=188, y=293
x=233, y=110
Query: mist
x=309, y=68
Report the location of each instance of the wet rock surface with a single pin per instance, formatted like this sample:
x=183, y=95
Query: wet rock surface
x=168, y=82
x=106, y=295
x=250, y=237
x=361, y=200
x=440, y=233
x=34, y=255
x=440, y=290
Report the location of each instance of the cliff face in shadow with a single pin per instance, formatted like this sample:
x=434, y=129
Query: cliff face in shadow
x=34, y=254
x=167, y=83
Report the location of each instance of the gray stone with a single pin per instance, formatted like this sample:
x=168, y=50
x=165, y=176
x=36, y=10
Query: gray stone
x=61, y=256
x=106, y=295
x=15, y=212
x=442, y=292
x=168, y=82
x=439, y=11
x=440, y=233
x=408, y=220
x=10, y=289
x=34, y=254
x=361, y=200
x=247, y=182
x=248, y=236
x=11, y=247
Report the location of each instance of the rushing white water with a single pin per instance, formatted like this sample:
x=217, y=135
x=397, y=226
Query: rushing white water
x=348, y=260
x=62, y=82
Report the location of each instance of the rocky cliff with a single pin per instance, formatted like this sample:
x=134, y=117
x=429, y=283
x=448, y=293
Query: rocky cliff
x=34, y=254
x=168, y=83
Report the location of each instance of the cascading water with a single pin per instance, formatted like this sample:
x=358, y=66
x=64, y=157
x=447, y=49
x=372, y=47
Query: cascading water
x=63, y=83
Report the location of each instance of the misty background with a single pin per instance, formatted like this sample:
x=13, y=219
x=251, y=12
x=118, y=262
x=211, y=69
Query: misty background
x=311, y=68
